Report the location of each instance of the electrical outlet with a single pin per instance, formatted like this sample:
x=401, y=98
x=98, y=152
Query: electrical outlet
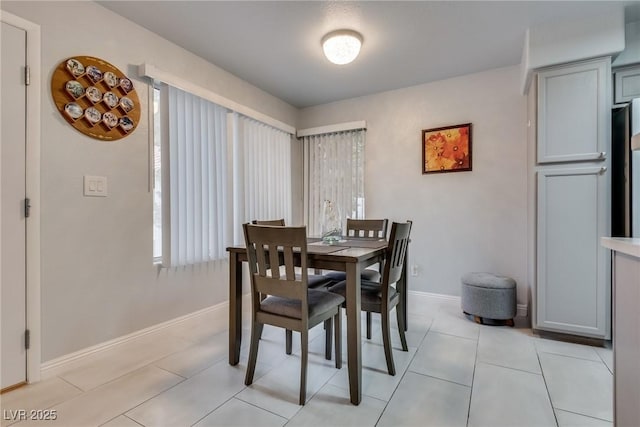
x=414, y=270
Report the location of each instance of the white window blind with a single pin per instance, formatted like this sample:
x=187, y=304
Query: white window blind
x=262, y=173
x=197, y=180
x=335, y=172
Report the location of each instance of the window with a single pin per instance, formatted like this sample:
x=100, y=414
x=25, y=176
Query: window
x=190, y=218
x=262, y=173
x=157, y=178
x=334, y=171
x=197, y=208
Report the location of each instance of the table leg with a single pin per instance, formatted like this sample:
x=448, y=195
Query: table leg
x=235, y=308
x=354, y=344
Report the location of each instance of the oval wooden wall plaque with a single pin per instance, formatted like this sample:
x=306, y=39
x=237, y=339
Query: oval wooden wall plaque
x=96, y=98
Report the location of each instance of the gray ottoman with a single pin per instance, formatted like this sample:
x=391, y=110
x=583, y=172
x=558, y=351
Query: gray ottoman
x=486, y=295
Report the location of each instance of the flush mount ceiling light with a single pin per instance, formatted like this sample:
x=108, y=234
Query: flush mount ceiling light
x=342, y=46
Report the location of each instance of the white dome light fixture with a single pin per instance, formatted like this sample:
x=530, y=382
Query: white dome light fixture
x=342, y=46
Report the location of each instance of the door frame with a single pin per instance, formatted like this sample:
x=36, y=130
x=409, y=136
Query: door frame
x=32, y=30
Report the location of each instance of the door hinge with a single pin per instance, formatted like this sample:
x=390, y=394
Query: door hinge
x=27, y=207
x=27, y=75
x=27, y=339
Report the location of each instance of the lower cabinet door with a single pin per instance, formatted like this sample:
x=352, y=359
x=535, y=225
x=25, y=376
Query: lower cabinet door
x=573, y=291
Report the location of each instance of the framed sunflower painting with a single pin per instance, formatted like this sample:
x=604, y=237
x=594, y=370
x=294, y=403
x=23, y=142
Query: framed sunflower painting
x=446, y=149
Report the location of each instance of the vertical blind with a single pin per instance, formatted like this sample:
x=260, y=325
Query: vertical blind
x=262, y=173
x=197, y=146
x=335, y=164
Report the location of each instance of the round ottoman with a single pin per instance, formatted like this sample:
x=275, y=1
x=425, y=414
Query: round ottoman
x=490, y=296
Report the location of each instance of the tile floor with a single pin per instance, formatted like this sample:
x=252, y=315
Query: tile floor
x=456, y=373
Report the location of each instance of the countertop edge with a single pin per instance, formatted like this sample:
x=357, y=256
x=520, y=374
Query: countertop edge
x=625, y=245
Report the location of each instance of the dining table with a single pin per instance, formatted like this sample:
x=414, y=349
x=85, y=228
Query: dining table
x=350, y=256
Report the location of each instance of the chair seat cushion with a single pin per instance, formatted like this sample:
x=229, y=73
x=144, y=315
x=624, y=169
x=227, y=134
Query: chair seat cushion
x=319, y=302
x=317, y=280
x=371, y=291
x=366, y=274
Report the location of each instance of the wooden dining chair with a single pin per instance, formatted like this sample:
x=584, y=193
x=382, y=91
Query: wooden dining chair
x=314, y=281
x=289, y=303
x=363, y=229
x=367, y=228
x=381, y=297
x=276, y=222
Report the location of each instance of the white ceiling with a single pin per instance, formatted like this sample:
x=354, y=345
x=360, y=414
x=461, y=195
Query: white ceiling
x=276, y=45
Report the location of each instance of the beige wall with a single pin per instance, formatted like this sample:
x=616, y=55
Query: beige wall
x=98, y=279
x=466, y=221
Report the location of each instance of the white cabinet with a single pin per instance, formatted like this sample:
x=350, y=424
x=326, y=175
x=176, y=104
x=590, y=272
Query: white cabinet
x=572, y=199
x=627, y=84
x=574, y=112
x=572, y=267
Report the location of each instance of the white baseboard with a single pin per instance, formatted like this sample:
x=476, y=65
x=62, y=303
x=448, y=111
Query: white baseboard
x=429, y=295
x=522, y=310
x=47, y=368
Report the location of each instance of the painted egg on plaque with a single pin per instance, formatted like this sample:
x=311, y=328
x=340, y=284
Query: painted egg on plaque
x=75, y=67
x=93, y=115
x=74, y=88
x=73, y=110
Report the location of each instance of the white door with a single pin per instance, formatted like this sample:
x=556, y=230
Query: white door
x=573, y=287
x=12, y=214
x=574, y=112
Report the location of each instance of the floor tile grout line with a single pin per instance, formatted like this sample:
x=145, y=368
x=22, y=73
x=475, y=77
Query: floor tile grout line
x=274, y=367
x=71, y=384
x=582, y=415
x=136, y=368
x=454, y=335
x=546, y=386
x=438, y=378
x=121, y=415
x=235, y=396
x=120, y=377
x=115, y=379
x=511, y=368
x=211, y=411
x=403, y=374
x=573, y=357
x=126, y=416
x=473, y=377
x=155, y=395
x=567, y=355
x=603, y=361
x=457, y=336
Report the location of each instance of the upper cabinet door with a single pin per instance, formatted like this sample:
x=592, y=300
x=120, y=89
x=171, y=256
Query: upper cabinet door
x=627, y=84
x=573, y=112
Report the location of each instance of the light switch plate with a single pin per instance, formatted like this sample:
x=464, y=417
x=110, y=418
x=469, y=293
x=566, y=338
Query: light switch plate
x=95, y=186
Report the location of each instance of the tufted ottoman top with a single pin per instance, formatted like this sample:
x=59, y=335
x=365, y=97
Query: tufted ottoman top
x=488, y=280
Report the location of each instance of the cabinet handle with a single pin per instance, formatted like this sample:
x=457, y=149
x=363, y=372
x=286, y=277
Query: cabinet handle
x=602, y=154
x=603, y=170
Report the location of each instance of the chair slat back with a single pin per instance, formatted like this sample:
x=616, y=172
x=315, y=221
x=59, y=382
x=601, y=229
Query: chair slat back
x=279, y=222
x=272, y=253
x=396, y=252
x=367, y=228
